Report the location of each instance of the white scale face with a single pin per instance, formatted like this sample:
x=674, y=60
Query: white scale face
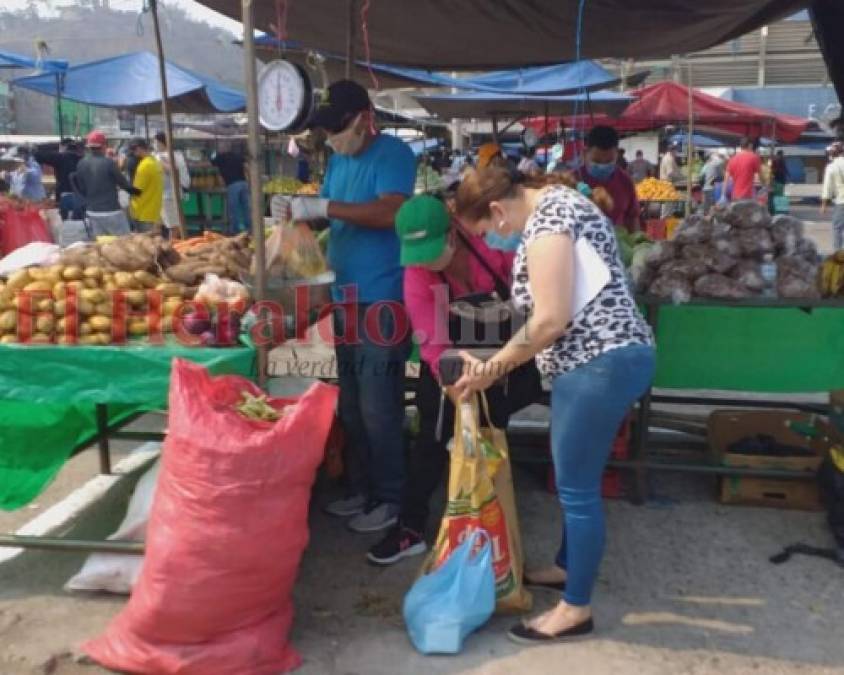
x=281, y=95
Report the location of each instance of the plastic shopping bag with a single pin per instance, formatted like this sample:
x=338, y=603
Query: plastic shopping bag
x=118, y=572
x=480, y=496
x=227, y=530
x=445, y=606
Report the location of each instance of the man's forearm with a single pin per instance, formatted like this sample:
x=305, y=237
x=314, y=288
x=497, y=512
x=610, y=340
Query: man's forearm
x=379, y=214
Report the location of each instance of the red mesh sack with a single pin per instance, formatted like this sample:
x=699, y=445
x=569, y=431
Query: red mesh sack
x=226, y=532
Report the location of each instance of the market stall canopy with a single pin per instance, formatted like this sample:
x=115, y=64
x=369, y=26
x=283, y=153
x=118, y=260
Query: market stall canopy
x=11, y=60
x=667, y=104
x=560, y=78
x=131, y=81
x=476, y=104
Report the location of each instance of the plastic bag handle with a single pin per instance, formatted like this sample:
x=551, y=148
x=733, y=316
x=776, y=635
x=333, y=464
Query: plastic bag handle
x=469, y=555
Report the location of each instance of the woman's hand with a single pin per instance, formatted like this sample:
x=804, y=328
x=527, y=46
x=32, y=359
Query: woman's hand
x=477, y=376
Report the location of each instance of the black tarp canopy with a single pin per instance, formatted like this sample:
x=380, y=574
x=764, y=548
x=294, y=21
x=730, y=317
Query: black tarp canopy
x=481, y=34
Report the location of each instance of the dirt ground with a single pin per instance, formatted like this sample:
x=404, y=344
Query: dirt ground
x=686, y=587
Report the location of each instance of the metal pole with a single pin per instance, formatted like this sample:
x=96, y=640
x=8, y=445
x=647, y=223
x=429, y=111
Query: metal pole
x=691, y=148
x=256, y=198
x=351, y=37
x=495, y=128
x=59, y=87
x=71, y=545
x=165, y=111
x=146, y=124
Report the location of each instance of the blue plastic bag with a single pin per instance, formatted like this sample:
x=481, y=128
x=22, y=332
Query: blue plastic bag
x=443, y=607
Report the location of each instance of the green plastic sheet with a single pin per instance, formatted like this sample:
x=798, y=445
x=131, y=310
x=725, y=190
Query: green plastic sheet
x=48, y=394
x=754, y=349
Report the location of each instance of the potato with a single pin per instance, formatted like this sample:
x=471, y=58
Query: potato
x=170, y=290
x=53, y=274
x=103, y=339
x=104, y=308
x=138, y=327
x=85, y=308
x=126, y=280
x=67, y=340
x=77, y=284
x=90, y=340
x=167, y=324
x=39, y=286
x=171, y=306
x=60, y=290
x=93, y=295
x=36, y=273
x=136, y=298
x=8, y=320
x=60, y=307
x=8, y=339
x=146, y=279
x=100, y=324
x=91, y=283
x=18, y=280
x=45, y=305
x=110, y=287
x=85, y=328
x=93, y=273
x=72, y=273
x=44, y=324
x=40, y=339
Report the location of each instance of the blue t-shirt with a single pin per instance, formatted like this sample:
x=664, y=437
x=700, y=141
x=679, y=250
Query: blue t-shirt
x=366, y=256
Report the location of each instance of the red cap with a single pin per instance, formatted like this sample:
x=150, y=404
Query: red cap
x=96, y=139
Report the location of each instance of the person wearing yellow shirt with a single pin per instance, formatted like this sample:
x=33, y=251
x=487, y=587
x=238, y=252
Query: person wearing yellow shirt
x=145, y=208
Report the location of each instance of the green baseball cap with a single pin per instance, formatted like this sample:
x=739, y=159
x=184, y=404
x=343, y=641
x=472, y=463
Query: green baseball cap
x=422, y=224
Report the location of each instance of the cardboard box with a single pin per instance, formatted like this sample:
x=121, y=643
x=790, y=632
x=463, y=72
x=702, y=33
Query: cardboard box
x=727, y=426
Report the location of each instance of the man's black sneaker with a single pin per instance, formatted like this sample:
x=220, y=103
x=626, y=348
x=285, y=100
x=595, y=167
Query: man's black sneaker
x=399, y=543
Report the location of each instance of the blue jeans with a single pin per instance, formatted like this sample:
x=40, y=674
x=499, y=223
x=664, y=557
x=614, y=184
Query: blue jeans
x=587, y=407
x=237, y=206
x=371, y=406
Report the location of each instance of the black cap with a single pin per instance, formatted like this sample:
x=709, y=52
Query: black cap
x=345, y=100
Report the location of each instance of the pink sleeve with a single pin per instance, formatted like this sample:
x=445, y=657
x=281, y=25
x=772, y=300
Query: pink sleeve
x=428, y=312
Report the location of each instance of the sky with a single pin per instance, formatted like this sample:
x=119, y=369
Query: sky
x=194, y=9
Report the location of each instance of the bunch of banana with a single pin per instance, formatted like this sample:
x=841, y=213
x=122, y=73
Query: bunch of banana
x=832, y=275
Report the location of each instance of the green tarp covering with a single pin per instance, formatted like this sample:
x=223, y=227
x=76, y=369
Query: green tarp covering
x=48, y=394
x=776, y=350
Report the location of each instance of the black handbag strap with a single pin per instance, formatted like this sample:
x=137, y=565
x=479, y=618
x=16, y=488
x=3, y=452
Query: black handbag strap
x=501, y=286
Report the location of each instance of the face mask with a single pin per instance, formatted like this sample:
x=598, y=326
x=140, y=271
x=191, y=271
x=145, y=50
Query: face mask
x=443, y=261
x=509, y=243
x=349, y=141
x=601, y=171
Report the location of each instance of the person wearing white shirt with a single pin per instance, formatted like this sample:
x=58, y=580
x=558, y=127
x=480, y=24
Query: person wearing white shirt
x=833, y=192
x=169, y=208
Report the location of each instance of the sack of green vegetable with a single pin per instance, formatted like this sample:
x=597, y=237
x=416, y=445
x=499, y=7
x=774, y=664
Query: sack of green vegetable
x=227, y=530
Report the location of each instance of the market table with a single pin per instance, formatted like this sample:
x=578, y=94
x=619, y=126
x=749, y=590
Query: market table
x=765, y=345
x=56, y=400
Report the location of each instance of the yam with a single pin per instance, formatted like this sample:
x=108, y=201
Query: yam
x=8, y=339
x=18, y=280
x=73, y=273
x=185, y=273
x=44, y=324
x=8, y=320
x=100, y=324
x=124, y=255
x=93, y=295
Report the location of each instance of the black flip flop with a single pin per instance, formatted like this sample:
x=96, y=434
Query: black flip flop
x=524, y=635
x=550, y=585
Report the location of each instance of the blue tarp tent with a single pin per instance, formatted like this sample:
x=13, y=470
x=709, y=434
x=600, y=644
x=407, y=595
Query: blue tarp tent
x=478, y=104
x=11, y=60
x=131, y=82
x=561, y=78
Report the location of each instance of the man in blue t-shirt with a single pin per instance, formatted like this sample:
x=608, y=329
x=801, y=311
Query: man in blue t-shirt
x=368, y=177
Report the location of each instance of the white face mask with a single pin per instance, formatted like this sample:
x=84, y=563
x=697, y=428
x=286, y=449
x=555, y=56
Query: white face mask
x=349, y=141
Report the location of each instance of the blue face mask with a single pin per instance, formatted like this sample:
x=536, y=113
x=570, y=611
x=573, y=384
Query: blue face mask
x=601, y=171
x=509, y=243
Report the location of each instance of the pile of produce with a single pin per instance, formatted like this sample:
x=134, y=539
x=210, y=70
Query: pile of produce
x=655, y=190
x=831, y=279
x=134, y=265
x=628, y=242
x=286, y=185
x=722, y=257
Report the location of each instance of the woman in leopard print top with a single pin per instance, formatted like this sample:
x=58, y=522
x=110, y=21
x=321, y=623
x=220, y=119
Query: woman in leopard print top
x=599, y=361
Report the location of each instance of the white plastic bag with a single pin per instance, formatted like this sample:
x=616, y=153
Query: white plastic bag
x=118, y=572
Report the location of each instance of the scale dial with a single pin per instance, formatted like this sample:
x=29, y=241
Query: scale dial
x=284, y=95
